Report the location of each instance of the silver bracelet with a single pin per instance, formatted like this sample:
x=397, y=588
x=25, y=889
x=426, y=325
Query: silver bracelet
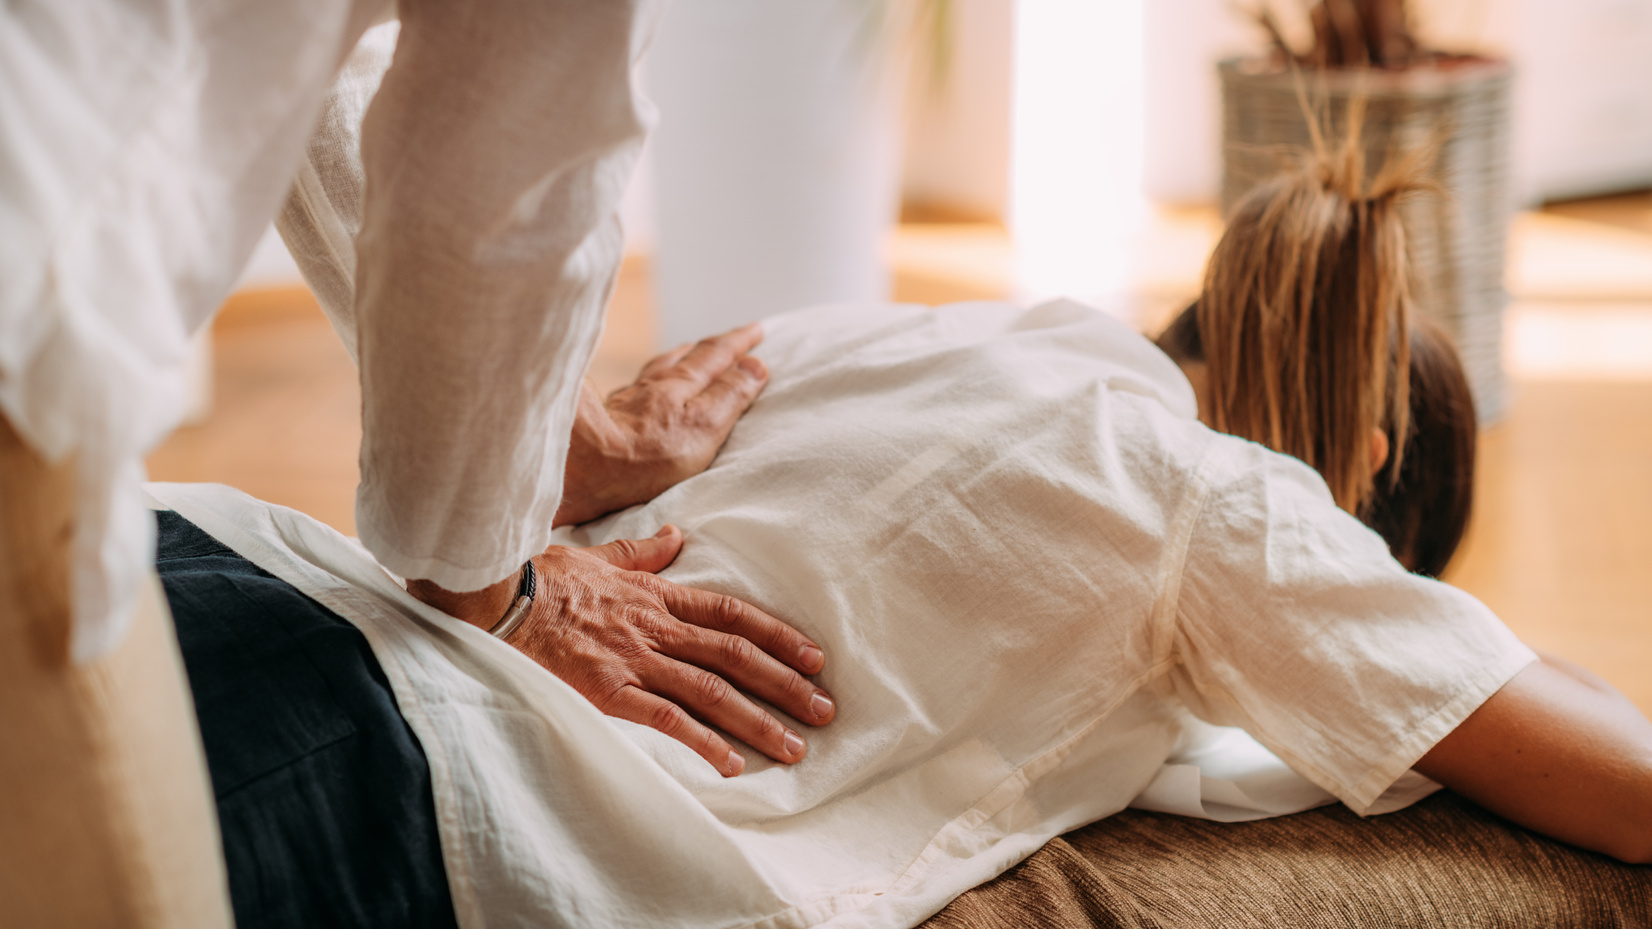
x=519, y=609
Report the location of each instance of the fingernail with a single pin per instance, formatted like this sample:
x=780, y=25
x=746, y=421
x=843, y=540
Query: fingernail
x=793, y=743
x=736, y=764
x=821, y=705
x=810, y=657
x=665, y=530
x=753, y=367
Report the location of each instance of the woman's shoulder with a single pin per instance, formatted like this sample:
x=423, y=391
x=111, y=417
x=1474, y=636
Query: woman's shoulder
x=1047, y=347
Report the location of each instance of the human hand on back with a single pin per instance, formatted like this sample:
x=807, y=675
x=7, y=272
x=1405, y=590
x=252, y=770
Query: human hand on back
x=644, y=649
x=660, y=429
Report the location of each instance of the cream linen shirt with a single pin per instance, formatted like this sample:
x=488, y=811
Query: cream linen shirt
x=146, y=144
x=1026, y=562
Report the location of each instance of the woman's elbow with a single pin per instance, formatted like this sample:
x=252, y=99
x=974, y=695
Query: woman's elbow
x=1634, y=844
x=1624, y=820
x=1632, y=849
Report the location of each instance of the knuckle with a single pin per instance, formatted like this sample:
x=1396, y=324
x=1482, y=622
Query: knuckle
x=668, y=718
x=711, y=690
x=604, y=691
x=798, y=691
x=664, y=407
x=725, y=612
x=651, y=591
x=711, y=746
x=632, y=650
x=772, y=732
x=735, y=652
x=652, y=631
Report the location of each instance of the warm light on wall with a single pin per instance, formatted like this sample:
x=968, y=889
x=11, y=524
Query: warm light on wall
x=1076, y=203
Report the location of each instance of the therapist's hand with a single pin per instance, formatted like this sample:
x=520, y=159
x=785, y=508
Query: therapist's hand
x=664, y=427
x=670, y=657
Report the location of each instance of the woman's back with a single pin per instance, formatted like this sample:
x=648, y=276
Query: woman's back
x=954, y=503
x=1026, y=557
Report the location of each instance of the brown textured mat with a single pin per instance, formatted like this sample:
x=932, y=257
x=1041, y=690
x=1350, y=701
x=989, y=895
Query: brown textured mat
x=1443, y=862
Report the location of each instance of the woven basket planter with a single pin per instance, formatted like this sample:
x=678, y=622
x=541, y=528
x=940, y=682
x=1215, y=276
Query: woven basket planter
x=1458, y=241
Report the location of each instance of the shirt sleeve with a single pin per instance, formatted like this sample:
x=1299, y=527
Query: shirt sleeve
x=321, y=216
x=1295, y=623
x=495, y=154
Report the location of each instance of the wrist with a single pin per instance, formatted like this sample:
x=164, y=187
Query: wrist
x=481, y=608
x=590, y=484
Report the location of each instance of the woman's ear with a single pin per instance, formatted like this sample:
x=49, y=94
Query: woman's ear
x=1379, y=449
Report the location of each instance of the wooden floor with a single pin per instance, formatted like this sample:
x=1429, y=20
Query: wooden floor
x=1560, y=546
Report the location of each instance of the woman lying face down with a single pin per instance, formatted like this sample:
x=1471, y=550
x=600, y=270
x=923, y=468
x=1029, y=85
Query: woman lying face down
x=1029, y=561
x=1300, y=342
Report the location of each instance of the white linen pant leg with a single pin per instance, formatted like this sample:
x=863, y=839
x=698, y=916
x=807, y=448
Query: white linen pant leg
x=495, y=151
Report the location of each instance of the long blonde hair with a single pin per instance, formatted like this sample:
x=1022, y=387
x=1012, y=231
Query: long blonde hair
x=1304, y=318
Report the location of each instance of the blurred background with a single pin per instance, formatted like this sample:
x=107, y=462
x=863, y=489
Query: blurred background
x=940, y=150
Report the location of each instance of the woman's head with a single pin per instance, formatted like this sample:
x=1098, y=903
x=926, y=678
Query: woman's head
x=1420, y=504
x=1306, y=346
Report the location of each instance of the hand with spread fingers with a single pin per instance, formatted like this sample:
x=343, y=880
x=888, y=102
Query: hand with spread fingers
x=662, y=428
x=644, y=649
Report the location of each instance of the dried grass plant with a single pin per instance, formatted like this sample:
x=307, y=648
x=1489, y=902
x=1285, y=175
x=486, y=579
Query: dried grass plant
x=1350, y=34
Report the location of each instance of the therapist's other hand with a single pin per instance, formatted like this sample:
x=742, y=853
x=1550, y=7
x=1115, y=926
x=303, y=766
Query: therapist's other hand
x=656, y=653
x=664, y=427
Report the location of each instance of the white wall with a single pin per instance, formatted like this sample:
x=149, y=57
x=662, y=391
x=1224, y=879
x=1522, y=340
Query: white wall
x=1185, y=39
x=1583, y=105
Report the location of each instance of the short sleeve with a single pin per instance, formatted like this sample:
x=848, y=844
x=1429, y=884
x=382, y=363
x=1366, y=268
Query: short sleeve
x=1295, y=623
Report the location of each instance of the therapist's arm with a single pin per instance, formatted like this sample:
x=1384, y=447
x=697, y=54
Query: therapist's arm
x=644, y=649
x=1561, y=752
x=665, y=426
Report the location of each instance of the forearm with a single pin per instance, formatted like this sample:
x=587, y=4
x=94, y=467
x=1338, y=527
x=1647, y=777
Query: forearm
x=481, y=608
x=1561, y=752
x=495, y=154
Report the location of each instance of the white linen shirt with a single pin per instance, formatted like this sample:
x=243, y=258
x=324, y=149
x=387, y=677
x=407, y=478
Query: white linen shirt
x=144, y=148
x=1025, y=560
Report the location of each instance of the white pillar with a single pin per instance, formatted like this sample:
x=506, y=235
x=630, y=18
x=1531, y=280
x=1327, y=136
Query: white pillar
x=775, y=160
x=1076, y=193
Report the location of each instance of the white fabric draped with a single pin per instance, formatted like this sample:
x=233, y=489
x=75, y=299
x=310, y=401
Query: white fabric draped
x=1026, y=562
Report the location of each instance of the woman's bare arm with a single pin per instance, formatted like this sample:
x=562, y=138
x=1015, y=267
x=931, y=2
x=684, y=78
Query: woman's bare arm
x=1562, y=752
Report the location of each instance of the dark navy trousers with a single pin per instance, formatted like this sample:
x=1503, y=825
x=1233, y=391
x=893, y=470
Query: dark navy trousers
x=323, y=792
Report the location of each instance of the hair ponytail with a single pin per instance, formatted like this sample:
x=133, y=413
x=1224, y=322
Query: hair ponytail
x=1304, y=316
